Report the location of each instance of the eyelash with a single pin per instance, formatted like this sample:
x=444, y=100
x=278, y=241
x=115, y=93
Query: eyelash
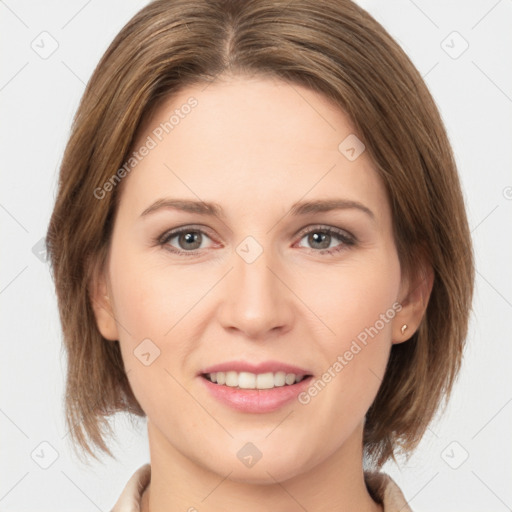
x=343, y=236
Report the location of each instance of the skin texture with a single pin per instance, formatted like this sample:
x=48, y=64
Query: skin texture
x=255, y=146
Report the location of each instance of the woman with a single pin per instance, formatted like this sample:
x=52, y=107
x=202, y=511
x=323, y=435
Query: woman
x=259, y=243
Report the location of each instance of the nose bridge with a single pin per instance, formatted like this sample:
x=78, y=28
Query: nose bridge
x=256, y=300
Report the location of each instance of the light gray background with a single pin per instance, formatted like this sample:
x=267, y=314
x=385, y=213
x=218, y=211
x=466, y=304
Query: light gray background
x=38, y=98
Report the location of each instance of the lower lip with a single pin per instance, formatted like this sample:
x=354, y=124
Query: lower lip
x=256, y=400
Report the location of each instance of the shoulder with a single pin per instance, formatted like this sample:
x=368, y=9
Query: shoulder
x=385, y=490
x=129, y=500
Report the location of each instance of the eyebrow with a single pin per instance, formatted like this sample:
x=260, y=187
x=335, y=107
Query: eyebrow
x=297, y=209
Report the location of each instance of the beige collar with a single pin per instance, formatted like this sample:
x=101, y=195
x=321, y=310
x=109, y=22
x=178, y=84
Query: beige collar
x=381, y=486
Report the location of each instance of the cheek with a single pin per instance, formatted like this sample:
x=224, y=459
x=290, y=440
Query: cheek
x=151, y=304
x=355, y=298
x=157, y=307
x=359, y=305
x=152, y=296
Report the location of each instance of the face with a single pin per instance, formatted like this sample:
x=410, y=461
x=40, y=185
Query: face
x=272, y=285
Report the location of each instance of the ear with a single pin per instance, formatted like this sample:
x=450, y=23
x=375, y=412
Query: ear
x=414, y=295
x=102, y=303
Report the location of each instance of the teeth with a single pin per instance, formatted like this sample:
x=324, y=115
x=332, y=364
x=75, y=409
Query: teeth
x=247, y=380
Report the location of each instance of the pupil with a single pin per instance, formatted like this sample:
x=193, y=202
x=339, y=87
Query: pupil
x=320, y=238
x=189, y=238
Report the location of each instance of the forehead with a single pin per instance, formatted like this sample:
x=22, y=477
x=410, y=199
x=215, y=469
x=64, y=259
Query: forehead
x=263, y=113
x=250, y=142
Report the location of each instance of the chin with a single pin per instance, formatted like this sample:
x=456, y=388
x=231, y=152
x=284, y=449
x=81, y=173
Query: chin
x=264, y=473
x=267, y=465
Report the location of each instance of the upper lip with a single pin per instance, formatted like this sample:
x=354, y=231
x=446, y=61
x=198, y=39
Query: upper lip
x=263, y=367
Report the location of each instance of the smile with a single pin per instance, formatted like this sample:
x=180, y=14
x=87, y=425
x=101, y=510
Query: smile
x=248, y=380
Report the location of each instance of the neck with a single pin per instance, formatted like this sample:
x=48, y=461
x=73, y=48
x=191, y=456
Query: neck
x=178, y=483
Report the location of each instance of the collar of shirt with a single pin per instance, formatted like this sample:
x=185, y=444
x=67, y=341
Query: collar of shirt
x=380, y=485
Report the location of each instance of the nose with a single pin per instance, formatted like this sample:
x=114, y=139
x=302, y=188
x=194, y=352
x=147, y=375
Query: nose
x=256, y=299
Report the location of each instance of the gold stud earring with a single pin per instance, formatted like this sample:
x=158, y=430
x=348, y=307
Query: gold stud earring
x=403, y=328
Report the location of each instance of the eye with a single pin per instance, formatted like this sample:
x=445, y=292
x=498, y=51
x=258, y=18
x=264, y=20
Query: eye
x=321, y=239
x=185, y=240
x=190, y=240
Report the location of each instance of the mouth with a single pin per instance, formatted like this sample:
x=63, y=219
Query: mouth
x=255, y=388
x=257, y=381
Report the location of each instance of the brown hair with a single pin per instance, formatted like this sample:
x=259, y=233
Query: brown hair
x=335, y=48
